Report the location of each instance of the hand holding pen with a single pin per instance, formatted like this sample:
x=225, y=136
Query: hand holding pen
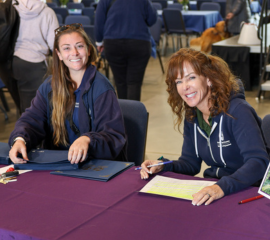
x=151, y=167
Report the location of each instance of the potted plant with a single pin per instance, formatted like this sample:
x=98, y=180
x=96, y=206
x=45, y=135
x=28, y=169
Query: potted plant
x=63, y=3
x=184, y=4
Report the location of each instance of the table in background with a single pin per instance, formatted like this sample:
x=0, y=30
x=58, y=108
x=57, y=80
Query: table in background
x=239, y=59
x=198, y=21
x=44, y=206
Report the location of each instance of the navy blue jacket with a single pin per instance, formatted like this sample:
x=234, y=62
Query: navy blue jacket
x=100, y=118
x=126, y=19
x=235, y=150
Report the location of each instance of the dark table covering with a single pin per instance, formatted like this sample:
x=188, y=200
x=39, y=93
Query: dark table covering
x=238, y=61
x=44, y=206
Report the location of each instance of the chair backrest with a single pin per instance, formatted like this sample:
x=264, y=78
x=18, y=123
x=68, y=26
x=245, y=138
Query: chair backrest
x=163, y=3
x=155, y=30
x=90, y=12
x=52, y=4
x=157, y=5
x=175, y=6
x=136, y=122
x=90, y=30
x=199, y=3
x=87, y=3
x=62, y=11
x=73, y=5
x=60, y=18
x=173, y=21
x=84, y=20
x=266, y=129
x=210, y=6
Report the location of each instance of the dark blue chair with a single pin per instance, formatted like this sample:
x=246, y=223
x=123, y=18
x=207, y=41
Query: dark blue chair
x=136, y=123
x=210, y=6
x=89, y=12
x=157, y=5
x=266, y=129
x=73, y=5
x=87, y=3
x=200, y=2
x=155, y=31
x=59, y=18
x=163, y=3
x=52, y=5
x=175, y=25
x=84, y=20
x=90, y=30
x=175, y=6
x=4, y=101
x=62, y=11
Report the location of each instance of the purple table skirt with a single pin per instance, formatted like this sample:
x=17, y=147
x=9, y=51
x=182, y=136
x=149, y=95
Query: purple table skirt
x=44, y=206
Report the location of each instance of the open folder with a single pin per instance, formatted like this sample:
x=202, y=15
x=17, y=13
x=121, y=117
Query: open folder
x=97, y=169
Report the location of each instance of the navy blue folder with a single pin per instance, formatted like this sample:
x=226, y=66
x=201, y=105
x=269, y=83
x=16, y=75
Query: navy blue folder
x=4, y=153
x=97, y=169
x=43, y=159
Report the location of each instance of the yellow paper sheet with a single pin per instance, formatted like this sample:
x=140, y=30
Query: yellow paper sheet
x=172, y=187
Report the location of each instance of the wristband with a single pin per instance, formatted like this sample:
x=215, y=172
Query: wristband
x=18, y=138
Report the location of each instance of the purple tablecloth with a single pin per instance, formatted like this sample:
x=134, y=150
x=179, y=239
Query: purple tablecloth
x=44, y=206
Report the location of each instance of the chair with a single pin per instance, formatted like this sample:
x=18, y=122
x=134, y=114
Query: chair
x=174, y=25
x=62, y=11
x=136, y=122
x=175, y=6
x=60, y=19
x=157, y=5
x=87, y=3
x=84, y=20
x=163, y=3
x=155, y=31
x=4, y=101
x=199, y=3
x=266, y=129
x=90, y=30
x=52, y=5
x=210, y=6
x=73, y=5
x=90, y=12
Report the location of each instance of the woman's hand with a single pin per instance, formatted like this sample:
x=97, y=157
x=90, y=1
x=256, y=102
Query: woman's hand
x=229, y=16
x=145, y=171
x=207, y=195
x=78, y=150
x=18, y=147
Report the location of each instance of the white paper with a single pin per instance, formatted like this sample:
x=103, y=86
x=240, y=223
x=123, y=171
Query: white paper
x=4, y=169
x=173, y=187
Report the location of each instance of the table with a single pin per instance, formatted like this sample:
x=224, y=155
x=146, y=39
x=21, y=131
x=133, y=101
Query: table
x=199, y=21
x=44, y=206
x=239, y=58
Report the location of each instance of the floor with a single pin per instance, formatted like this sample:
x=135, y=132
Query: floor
x=162, y=138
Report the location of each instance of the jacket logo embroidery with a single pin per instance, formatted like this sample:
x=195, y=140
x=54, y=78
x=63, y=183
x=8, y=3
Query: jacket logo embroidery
x=224, y=143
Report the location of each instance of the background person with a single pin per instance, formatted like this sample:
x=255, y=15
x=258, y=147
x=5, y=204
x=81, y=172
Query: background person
x=35, y=39
x=237, y=11
x=220, y=127
x=121, y=28
x=76, y=108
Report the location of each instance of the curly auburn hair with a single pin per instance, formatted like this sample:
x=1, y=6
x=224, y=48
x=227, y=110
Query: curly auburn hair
x=212, y=67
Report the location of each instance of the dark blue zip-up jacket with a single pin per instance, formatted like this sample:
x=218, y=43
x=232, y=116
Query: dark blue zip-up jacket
x=100, y=118
x=126, y=19
x=235, y=150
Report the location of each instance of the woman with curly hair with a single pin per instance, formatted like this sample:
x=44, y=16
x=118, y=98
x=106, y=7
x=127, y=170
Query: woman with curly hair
x=75, y=109
x=220, y=127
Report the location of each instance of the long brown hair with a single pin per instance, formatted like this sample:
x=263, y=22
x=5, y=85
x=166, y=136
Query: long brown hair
x=212, y=67
x=63, y=87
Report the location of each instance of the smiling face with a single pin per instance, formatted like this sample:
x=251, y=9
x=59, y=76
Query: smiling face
x=73, y=52
x=193, y=89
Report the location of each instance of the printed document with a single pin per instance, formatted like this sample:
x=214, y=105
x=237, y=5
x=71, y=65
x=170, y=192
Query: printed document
x=173, y=187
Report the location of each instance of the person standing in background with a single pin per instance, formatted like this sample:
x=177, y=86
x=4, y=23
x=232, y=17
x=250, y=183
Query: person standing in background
x=121, y=28
x=35, y=39
x=237, y=11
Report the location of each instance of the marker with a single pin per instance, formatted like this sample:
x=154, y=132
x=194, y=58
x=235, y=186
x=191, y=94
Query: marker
x=154, y=165
x=250, y=199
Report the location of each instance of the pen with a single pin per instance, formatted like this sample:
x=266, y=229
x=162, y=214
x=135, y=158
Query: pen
x=250, y=199
x=158, y=164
